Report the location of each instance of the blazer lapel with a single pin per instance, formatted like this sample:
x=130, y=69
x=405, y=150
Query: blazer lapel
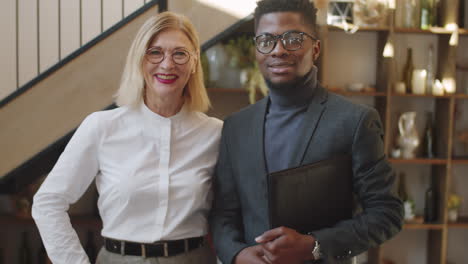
x=310, y=123
x=257, y=140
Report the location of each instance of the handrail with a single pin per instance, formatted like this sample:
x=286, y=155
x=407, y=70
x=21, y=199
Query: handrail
x=83, y=48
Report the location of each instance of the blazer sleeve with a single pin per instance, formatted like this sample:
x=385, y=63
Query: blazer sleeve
x=226, y=217
x=373, y=178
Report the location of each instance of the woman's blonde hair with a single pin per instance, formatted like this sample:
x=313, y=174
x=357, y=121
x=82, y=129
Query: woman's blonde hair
x=131, y=90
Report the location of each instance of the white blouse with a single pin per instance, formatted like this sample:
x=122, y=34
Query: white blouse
x=153, y=175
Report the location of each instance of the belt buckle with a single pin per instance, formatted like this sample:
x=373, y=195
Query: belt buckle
x=143, y=250
x=166, y=251
x=122, y=248
x=186, y=245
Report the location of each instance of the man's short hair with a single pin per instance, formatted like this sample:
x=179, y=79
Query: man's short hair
x=304, y=7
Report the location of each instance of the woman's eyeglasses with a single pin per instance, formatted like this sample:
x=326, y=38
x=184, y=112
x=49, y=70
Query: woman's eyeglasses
x=291, y=40
x=156, y=55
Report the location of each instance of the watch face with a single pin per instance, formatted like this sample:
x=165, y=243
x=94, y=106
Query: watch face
x=316, y=250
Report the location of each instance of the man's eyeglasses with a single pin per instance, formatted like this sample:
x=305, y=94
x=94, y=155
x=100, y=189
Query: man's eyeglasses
x=156, y=55
x=291, y=40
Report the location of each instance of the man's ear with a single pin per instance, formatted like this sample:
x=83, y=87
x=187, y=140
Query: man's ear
x=317, y=48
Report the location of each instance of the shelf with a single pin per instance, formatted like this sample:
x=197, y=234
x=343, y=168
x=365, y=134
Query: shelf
x=341, y=92
x=413, y=31
x=422, y=95
x=409, y=226
x=461, y=223
x=461, y=96
x=362, y=29
x=460, y=161
x=348, y=93
x=461, y=67
x=419, y=161
x=434, y=30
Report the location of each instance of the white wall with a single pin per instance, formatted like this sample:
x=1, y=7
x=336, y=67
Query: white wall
x=211, y=17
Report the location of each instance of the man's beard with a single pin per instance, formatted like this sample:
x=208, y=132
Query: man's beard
x=285, y=86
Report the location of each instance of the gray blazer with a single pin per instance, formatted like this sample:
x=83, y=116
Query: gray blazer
x=333, y=125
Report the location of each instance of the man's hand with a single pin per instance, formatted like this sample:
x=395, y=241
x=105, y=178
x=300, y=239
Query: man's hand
x=285, y=245
x=251, y=255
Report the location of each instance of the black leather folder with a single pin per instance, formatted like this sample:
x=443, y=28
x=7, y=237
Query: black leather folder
x=313, y=196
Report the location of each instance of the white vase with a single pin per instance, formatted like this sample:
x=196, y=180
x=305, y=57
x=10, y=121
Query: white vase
x=217, y=60
x=408, y=139
x=409, y=210
x=452, y=215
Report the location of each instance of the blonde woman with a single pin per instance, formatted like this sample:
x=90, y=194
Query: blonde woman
x=152, y=158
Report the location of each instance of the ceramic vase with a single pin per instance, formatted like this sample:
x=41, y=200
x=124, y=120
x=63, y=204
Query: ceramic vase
x=408, y=139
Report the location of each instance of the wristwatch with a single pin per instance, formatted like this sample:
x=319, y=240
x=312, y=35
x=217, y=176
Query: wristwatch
x=316, y=251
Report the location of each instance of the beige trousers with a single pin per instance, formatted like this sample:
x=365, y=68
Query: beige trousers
x=203, y=255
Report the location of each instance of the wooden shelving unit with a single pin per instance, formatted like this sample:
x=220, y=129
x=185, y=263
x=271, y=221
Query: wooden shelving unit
x=460, y=161
x=349, y=93
x=362, y=29
x=461, y=223
x=420, y=161
x=424, y=226
x=461, y=96
x=390, y=104
x=440, y=169
x=435, y=30
x=422, y=96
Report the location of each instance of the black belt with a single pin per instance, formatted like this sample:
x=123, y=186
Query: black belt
x=157, y=249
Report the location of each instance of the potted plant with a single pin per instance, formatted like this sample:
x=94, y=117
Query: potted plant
x=453, y=204
x=241, y=51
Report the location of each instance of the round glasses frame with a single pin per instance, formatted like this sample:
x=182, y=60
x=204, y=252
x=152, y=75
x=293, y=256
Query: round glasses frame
x=176, y=56
x=283, y=38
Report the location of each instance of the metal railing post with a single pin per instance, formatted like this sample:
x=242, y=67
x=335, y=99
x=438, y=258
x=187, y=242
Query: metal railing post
x=81, y=23
x=162, y=5
x=17, y=44
x=38, y=33
x=59, y=29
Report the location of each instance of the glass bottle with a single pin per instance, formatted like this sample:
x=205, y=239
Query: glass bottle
x=428, y=140
x=426, y=13
x=407, y=201
x=24, y=251
x=435, y=12
x=430, y=206
x=408, y=70
x=402, y=191
x=409, y=16
x=430, y=70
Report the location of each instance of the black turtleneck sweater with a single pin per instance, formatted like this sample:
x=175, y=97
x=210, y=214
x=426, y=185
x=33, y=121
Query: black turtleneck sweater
x=284, y=118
